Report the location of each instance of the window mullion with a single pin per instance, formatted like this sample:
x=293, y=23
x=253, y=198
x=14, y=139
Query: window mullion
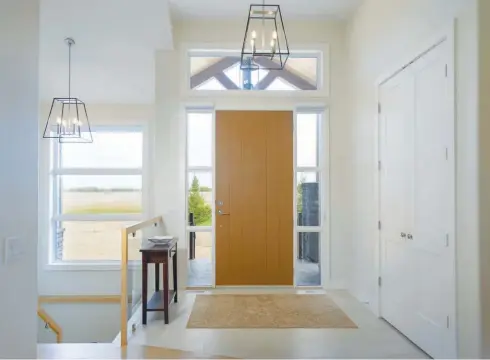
x=200, y=169
x=98, y=217
x=309, y=169
x=96, y=171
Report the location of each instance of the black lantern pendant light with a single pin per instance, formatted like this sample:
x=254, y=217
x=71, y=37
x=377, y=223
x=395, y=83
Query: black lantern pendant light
x=265, y=44
x=68, y=119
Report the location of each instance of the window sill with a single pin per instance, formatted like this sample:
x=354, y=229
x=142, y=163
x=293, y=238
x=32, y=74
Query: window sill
x=88, y=266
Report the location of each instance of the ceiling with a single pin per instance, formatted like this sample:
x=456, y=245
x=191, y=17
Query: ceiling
x=113, y=60
x=292, y=9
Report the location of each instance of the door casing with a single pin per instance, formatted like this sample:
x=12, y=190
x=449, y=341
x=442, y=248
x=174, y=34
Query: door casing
x=324, y=169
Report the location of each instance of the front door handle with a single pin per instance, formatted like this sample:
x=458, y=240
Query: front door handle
x=222, y=213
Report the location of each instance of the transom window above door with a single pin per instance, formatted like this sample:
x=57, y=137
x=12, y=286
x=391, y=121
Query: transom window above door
x=221, y=72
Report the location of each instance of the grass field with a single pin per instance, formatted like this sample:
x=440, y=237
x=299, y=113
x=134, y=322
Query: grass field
x=101, y=240
x=98, y=240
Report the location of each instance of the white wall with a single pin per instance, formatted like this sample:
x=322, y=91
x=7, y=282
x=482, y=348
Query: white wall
x=19, y=36
x=172, y=96
x=381, y=34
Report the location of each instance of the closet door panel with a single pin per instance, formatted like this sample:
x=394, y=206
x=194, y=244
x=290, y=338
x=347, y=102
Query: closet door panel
x=433, y=204
x=396, y=145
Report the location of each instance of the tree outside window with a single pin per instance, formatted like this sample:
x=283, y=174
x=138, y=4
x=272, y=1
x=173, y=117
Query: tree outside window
x=197, y=204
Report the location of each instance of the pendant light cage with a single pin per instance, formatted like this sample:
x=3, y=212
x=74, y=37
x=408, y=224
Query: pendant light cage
x=68, y=119
x=265, y=43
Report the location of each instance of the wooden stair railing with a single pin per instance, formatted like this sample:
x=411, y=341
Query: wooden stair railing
x=125, y=233
x=51, y=323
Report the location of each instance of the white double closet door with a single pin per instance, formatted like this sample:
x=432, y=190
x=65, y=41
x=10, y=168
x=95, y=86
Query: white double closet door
x=417, y=203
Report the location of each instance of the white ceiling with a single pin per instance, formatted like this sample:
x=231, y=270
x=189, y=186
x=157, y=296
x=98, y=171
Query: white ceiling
x=291, y=9
x=113, y=60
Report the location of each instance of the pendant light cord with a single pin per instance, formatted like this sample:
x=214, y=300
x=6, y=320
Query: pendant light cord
x=69, y=70
x=263, y=24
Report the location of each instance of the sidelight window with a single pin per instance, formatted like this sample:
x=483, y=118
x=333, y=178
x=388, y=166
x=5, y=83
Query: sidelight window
x=309, y=219
x=199, y=186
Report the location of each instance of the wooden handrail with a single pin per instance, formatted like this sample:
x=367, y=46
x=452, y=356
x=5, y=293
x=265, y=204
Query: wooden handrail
x=144, y=224
x=124, y=270
x=53, y=325
x=79, y=299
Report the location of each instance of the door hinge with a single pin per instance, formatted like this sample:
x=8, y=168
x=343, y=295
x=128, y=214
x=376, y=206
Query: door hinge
x=446, y=70
x=379, y=165
x=447, y=240
x=447, y=322
x=447, y=154
x=379, y=108
x=379, y=225
x=379, y=281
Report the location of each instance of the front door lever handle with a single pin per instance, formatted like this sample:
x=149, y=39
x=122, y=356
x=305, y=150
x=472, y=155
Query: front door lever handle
x=220, y=212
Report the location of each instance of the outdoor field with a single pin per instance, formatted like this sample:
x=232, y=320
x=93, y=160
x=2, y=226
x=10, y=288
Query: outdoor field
x=101, y=240
x=98, y=240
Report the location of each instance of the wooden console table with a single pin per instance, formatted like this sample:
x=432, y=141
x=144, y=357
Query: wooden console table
x=161, y=299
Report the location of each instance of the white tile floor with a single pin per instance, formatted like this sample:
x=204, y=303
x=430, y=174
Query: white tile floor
x=373, y=339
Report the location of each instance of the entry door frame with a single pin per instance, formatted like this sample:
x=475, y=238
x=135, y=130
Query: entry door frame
x=323, y=169
x=446, y=34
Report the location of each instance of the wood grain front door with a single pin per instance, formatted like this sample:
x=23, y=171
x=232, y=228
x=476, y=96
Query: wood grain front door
x=254, y=198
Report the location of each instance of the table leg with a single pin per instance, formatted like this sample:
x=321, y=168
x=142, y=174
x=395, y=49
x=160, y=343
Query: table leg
x=157, y=277
x=144, y=294
x=165, y=290
x=174, y=268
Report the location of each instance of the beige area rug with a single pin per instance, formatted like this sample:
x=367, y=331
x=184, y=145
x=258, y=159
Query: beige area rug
x=267, y=311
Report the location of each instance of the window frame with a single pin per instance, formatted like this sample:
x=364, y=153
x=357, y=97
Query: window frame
x=56, y=216
x=317, y=54
x=201, y=169
x=323, y=192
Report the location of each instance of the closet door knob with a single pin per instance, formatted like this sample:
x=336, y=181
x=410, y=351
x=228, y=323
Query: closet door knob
x=403, y=235
x=410, y=237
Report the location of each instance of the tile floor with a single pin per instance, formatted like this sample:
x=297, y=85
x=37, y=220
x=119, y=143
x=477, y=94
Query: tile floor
x=199, y=273
x=373, y=339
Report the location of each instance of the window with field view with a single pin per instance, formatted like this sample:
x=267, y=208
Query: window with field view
x=199, y=197
x=97, y=189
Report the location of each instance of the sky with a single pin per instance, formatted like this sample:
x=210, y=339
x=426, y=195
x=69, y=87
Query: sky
x=125, y=150
x=109, y=150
